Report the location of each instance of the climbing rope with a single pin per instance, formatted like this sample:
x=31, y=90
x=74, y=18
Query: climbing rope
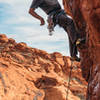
x=38, y=94
x=69, y=80
x=3, y=82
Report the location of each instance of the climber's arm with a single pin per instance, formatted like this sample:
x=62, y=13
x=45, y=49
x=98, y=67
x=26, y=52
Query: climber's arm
x=34, y=14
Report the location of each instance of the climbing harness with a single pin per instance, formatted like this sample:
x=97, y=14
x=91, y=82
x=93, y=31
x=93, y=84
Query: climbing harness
x=51, y=22
x=62, y=12
x=69, y=80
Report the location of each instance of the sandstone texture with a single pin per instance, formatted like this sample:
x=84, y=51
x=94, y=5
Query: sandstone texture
x=86, y=15
x=31, y=74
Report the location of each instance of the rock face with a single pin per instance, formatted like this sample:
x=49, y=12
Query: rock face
x=30, y=74
x=86, y=15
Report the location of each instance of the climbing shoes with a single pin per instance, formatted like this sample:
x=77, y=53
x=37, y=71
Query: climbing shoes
x=75, y=58
x=80, y=41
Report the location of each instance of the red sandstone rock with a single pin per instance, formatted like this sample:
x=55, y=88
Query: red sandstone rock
x=86, y=15
x=21, y=46
x=3, y=38
x=37, y=75
x=11, y=41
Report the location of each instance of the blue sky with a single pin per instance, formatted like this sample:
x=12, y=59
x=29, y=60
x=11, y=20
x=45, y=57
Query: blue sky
x=16, y=23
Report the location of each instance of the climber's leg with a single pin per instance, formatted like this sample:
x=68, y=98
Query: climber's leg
x=71, y=47
x=73, y=51
x=69, y=26
x=74, y=35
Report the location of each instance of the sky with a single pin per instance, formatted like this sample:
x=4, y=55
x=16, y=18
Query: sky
x=16, y=23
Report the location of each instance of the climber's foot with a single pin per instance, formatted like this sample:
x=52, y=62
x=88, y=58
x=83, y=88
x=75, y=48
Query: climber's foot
x=80, y=41
x=75, y=58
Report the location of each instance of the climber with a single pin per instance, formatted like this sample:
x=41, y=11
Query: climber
x=57, y=16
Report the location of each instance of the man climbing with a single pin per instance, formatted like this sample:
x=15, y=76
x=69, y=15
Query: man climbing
x=57, y=16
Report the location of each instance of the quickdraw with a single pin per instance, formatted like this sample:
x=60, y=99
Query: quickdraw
x=69, y=80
